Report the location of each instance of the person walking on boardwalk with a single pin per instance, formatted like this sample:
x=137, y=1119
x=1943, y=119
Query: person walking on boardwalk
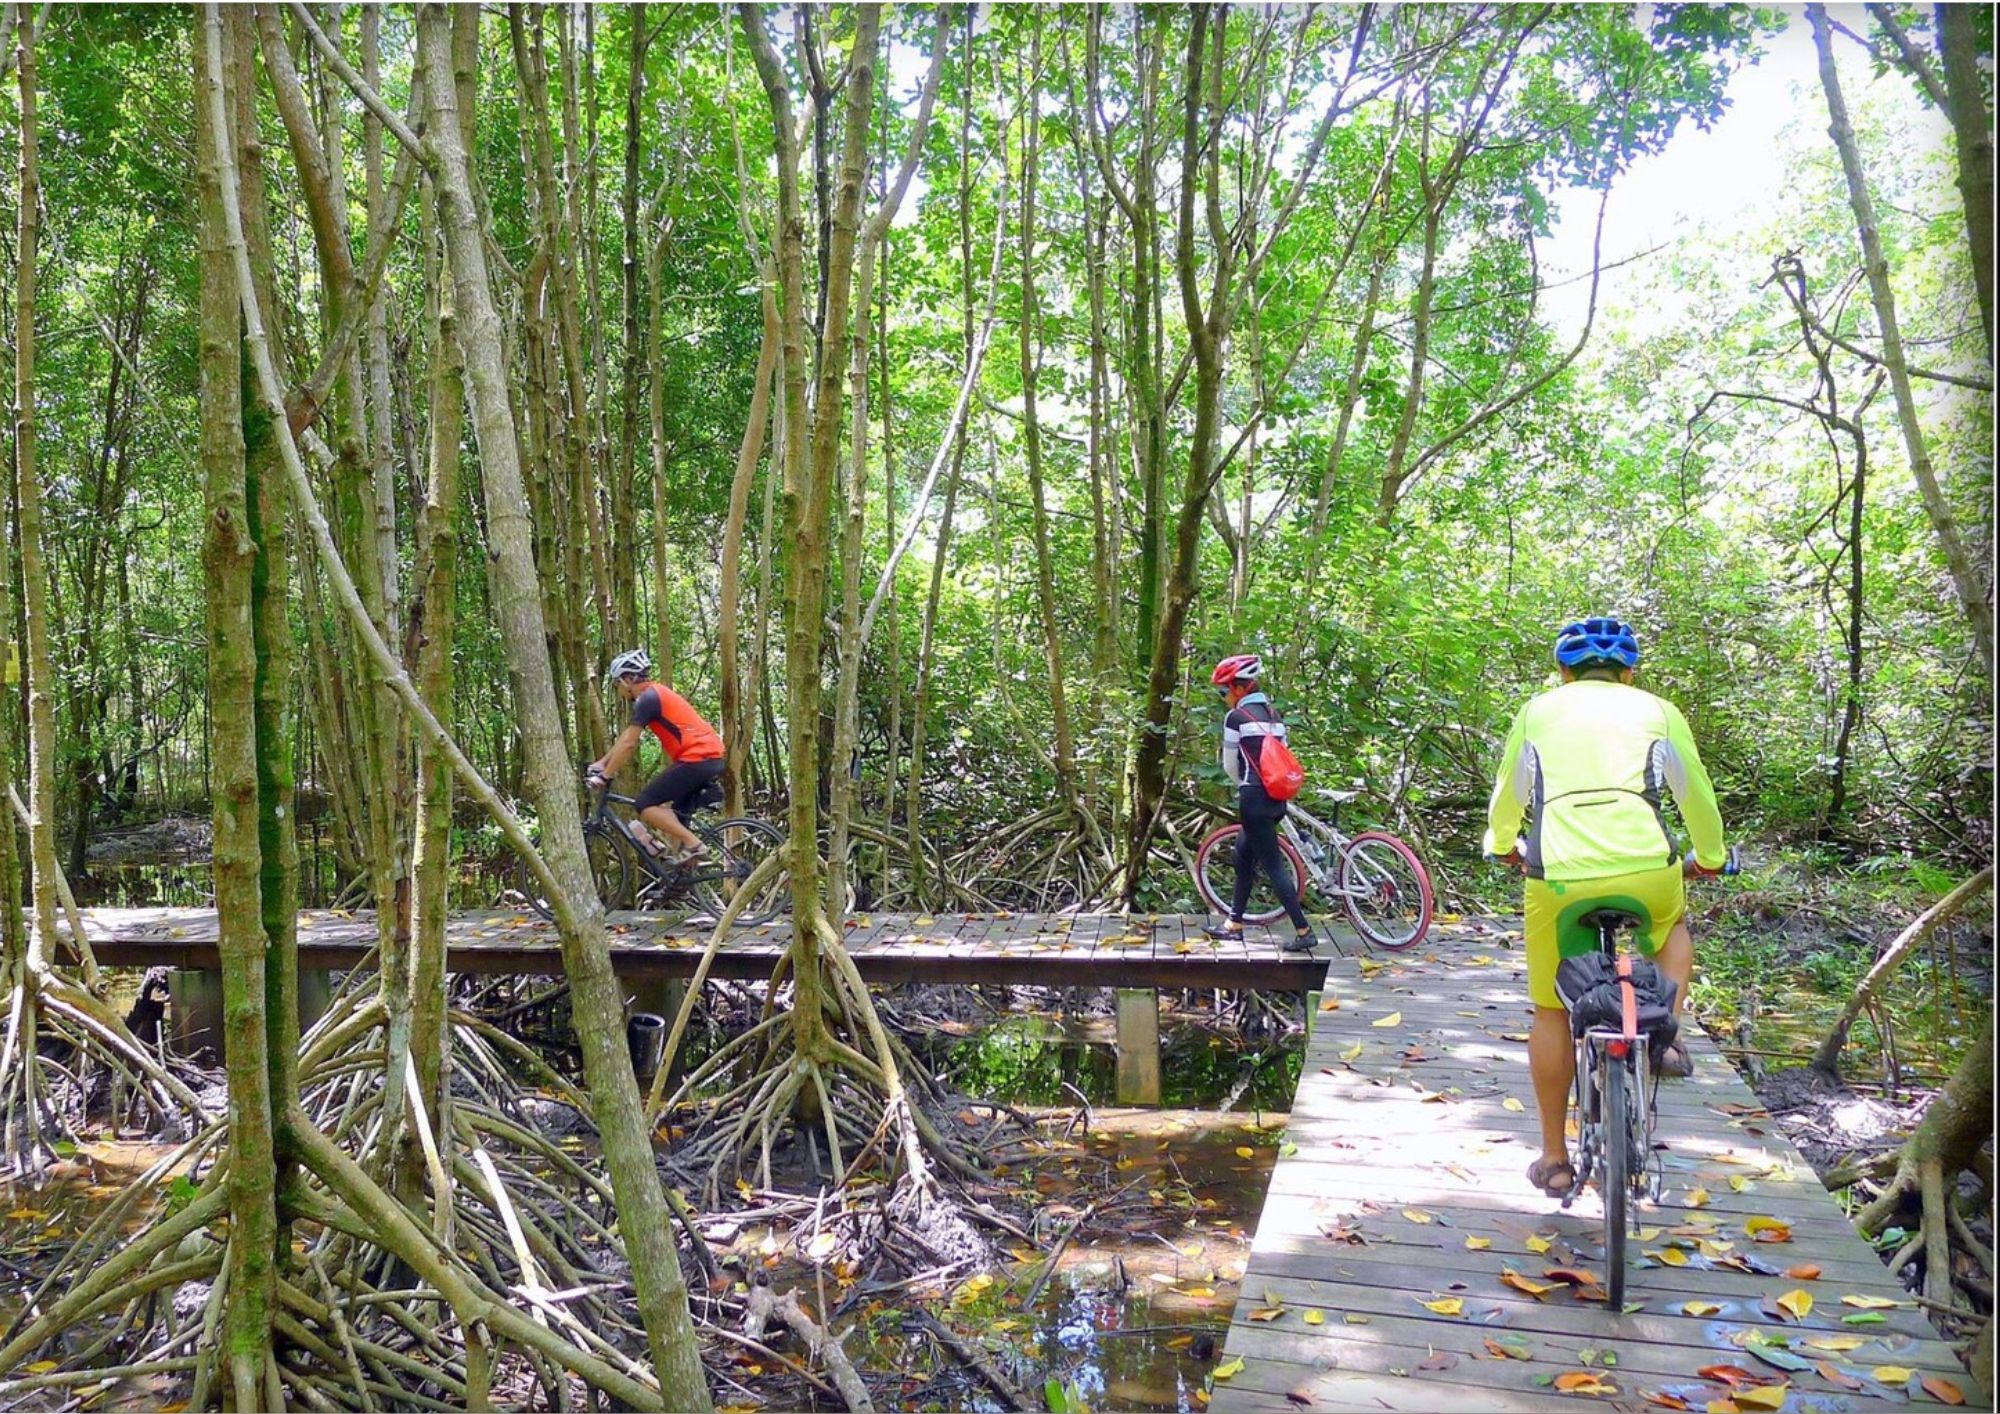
x=1253, y=748
x=1584, y=764
x=693, y=749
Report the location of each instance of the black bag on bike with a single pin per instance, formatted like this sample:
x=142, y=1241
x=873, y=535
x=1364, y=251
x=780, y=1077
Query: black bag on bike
x=1588, y=987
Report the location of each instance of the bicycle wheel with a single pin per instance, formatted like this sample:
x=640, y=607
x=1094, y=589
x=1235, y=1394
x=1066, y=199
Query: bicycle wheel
x=1615, y=1135
x=736, y=848
x=1215, y=876
x=610, y=865
x=1386, y=891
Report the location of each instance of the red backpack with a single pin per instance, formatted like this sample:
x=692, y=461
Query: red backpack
x=1278, y=769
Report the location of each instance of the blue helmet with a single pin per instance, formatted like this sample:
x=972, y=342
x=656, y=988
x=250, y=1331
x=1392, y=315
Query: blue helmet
x=1597, y=641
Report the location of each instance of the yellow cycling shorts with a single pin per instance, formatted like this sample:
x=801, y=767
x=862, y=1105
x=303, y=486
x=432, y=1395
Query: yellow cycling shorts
x=1550, y=910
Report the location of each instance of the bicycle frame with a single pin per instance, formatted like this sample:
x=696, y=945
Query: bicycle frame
x=656, y=872
x=1322, y=845
x=1597, y=1048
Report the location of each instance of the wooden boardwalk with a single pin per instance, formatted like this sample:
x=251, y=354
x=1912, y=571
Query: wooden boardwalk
x=1084, y=950
x=1414, y=1125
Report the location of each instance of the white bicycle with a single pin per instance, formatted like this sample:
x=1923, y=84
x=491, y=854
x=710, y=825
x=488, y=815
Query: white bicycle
x=1380, y=881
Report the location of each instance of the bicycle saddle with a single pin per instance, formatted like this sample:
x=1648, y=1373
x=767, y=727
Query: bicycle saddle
x=706, y=798
x=1338, y=797
x=1616, y=919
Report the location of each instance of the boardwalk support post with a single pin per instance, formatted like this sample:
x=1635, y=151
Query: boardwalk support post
x=1138, y=1046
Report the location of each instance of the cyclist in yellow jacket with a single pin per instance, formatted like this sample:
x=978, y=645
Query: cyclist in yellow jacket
x=1585, y=764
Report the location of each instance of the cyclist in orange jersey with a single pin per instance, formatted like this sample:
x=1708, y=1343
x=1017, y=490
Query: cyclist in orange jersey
x=693, y=749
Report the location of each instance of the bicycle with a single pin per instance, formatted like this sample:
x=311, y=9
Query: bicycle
x=736, y=846
x=1613, y=1069
x=1380, y=881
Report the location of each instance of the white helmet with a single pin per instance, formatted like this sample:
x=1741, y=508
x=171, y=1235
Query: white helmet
x=637, y=663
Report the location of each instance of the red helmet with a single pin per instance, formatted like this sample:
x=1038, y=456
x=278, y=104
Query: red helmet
x=1237, y=667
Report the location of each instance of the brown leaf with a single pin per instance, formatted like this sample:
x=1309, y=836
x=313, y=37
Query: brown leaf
x=1804, y=1271
x=1536, y=1289
x=1300, y=1396
x=1731, y=1375
x=1663, y=1399
x=1438, y=1360
x=1943, y=1390
x=1575, y=1276
x=1506, y=1352
x=1583, y=1382
x=1833, y=1374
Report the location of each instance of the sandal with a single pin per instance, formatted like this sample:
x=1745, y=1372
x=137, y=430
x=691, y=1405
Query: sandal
x=1541, y=1171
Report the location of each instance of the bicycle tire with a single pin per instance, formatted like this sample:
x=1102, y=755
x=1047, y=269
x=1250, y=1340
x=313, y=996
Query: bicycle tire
x=738, y=857
x=1615, y=1136
x=610, y=860
x=1386, y=890
x=1215, y=876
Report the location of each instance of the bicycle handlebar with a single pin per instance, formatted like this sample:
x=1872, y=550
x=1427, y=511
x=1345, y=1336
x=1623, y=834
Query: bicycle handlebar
x=1732, y=864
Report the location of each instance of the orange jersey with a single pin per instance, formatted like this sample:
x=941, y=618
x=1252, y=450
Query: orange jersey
x=683, y=735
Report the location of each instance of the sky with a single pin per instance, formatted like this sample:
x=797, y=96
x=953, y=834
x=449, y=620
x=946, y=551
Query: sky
x=1714, y=180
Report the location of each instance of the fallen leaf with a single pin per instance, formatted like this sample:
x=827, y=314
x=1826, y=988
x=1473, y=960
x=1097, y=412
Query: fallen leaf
x=1353, y=1052
x=1583, y=1382
x=1768, y=1230
x=1892, y=1374
x=1536, y=1244
x=1796, y=1304
x=1180, y=1342
x=1723, y=1406
x=1267, y=1313
x=1697, y=1198
x=1478, y=1244
x=1244, y=1151
x=1864, y=1318
x=1231, y=1370
x=1575, y=1276
x=1663, y=1399
x=1199, y=1291
x=1804, y=1271
x=1300, y=1396
x=1871, y=1303
x=1416, y=1215
x=1508, y=1350
x=1438, y=1360
x=1701, y=1308
x=1738, y=1183
x=1943, y=1390
x=1445, y=1305
x=1355, y=1318
x=1394, y=1018
x=820, y=1247
x=41, y=1367
x=1761, y=1397
x=1314, y=1316
x=1834, y=1375
x=1536, y=1289
x=1837, y=1343
x=1512, y=1105
x=1731, y=1375
x=1667, y=1256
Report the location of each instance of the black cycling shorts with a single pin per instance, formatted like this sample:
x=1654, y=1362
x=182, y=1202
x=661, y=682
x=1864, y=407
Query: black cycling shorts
x=679, y=784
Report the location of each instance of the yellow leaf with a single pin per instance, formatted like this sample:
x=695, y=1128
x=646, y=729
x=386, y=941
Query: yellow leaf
x=1199, y=1291
x=1416, y=1215
x=1231, y=1370
x=1329, y=1004
x=1891, y=1374
x=1837, y=1343
x=1768, y=1229
x=1697, y=1198
x=1537, y=1244
x=1478, y=1244
x=1244, y=1151
x=1648, y=1234
x=821, y=1246
x=1797, y=1304
x=923, y=922
x=1267, y=1313
x=1668, y=1256
x=1738, y=1183
x=1512, y=1105
x=1353, y=1052
x=1394, y=1018
x=41, y=1367
x=1871, y=1303
x=1446, y=1306
x=1700, y=1308
x=1314, y=1316
x=1760, y=1396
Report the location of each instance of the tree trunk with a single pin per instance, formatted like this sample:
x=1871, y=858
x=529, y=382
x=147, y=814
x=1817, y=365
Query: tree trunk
x=624, y=522
x=596, y=996
x=228, y=560
x=1965, y=574
x=1972, y=129
x=1031, y=428
x=738, y=726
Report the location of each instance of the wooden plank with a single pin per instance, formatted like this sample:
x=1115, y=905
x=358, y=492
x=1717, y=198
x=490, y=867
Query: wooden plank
x=1377, y=1131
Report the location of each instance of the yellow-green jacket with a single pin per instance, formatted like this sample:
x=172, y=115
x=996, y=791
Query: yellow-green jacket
x=1585, y=763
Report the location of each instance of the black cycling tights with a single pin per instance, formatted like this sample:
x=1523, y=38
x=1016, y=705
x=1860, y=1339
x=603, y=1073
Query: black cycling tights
x=1257, y=848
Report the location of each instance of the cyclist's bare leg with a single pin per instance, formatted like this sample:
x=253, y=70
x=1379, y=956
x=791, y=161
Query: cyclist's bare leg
x=663, y=822
x=1676, y=959
x=1552, y=1066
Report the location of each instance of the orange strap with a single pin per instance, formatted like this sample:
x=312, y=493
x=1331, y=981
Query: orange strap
x=1628, y=997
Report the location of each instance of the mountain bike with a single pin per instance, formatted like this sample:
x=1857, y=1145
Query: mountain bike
x=1380, y=881
x=630, y=875
x=1617, y=1092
